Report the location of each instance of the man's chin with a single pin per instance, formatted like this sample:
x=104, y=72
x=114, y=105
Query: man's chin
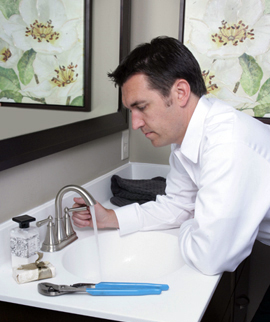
x=158, y=144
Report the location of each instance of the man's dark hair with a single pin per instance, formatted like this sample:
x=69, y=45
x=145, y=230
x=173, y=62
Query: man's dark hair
x=163, y=61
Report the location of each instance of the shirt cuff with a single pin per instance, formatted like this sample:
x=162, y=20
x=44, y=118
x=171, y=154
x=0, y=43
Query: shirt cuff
x=127, y=219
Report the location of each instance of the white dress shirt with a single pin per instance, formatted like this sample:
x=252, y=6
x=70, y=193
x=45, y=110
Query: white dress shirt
x=218, y=190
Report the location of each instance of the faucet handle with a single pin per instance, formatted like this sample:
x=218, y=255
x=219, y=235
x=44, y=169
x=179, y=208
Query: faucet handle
x=75, y=209
x=50, y=240
x=44, y=221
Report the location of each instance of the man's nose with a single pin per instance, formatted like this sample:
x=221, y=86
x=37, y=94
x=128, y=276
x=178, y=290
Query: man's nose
x=137, y=120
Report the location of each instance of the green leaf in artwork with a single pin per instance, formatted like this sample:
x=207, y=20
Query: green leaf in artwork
x=9, y=7
x=15, y=96
x=266, y=6
x=263, y=100
x=9, y=80
x=78, y=101
x=261, y=109
x=264, y=94
x=25, y=66
x=251, y=76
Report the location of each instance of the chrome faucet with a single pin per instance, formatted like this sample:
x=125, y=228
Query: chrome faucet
x=61, y=233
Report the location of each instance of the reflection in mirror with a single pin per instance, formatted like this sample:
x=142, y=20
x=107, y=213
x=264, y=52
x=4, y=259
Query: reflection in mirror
x=31, y=134
x=104, y=96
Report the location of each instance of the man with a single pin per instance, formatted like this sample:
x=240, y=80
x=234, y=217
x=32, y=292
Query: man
x=218, y=188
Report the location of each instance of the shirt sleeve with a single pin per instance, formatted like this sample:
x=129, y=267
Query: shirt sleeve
x=232, y=200
x=168, y=211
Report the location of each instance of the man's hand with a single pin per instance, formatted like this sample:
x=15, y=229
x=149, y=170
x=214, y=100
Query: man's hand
x=106, y=218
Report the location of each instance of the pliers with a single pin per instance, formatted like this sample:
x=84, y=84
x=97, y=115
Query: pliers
x=103, y=289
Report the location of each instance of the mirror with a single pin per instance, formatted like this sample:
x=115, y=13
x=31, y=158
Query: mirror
x=22, y=148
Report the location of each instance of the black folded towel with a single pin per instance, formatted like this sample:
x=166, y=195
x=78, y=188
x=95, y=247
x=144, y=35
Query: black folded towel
x=127, y=191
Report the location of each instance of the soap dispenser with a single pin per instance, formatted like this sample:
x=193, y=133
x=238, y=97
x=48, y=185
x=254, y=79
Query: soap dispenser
x=24, y=241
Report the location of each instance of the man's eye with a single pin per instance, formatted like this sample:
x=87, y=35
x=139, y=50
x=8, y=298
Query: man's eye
x=141, y=107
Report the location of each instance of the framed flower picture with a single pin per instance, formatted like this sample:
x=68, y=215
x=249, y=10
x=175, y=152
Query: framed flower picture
x=231, y=41
x=45, y=54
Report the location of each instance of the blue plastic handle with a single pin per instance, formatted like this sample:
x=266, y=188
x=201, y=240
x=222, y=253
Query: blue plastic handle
x=137, y=286
x=123, y=292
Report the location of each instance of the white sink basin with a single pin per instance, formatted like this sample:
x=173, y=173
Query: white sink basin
x=139, y=257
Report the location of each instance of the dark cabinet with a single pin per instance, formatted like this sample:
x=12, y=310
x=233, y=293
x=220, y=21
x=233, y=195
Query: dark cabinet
x=11, y=312
x=230, y=300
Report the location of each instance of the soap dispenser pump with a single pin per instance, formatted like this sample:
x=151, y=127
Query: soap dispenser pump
x=24, y=241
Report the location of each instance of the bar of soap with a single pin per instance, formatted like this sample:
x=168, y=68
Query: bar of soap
x=21, y=275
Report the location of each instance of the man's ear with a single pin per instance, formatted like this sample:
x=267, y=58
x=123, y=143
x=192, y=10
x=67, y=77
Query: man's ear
x=182, y=90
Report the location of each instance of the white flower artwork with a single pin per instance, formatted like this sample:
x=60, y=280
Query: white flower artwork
x=231, y=41
x=42, y=52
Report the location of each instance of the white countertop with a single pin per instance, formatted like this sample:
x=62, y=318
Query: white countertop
x=186, y=299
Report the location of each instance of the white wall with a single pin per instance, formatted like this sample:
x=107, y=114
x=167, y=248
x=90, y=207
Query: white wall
x=151, y=18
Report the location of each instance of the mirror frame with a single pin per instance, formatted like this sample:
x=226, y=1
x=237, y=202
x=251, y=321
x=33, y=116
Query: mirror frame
x=21, y=149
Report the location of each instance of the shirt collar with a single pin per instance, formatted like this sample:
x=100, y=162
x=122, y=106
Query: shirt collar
x=192, y=140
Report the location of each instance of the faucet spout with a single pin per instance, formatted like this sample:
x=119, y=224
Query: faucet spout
x=59, y=225
x=61, y=233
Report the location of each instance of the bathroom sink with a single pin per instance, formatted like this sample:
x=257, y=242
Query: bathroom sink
x=139, y=257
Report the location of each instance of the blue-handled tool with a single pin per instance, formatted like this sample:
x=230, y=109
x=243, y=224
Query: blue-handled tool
x=119, y=285
x=103, y=289
x=123, y=292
